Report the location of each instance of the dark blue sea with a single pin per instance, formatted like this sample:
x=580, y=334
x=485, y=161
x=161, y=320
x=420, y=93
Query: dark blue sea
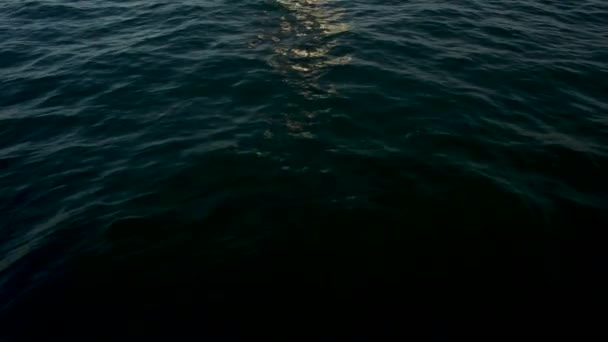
x=303, y=169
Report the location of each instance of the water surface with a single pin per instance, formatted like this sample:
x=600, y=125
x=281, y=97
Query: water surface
x=333, y=168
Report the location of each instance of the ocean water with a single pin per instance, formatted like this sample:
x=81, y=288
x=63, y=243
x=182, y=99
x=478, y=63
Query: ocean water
x=292, y=168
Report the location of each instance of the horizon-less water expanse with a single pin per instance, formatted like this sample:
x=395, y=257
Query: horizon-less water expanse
x=290, y=168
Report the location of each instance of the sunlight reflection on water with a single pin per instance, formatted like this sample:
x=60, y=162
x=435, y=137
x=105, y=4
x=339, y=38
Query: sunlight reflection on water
x=304, y=45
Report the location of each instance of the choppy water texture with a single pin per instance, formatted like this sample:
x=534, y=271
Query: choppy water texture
x=292, y=167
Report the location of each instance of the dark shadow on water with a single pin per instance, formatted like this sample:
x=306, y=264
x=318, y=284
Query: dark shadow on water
x=296, y=263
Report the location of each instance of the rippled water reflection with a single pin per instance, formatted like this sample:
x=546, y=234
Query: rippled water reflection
x=306, y=43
